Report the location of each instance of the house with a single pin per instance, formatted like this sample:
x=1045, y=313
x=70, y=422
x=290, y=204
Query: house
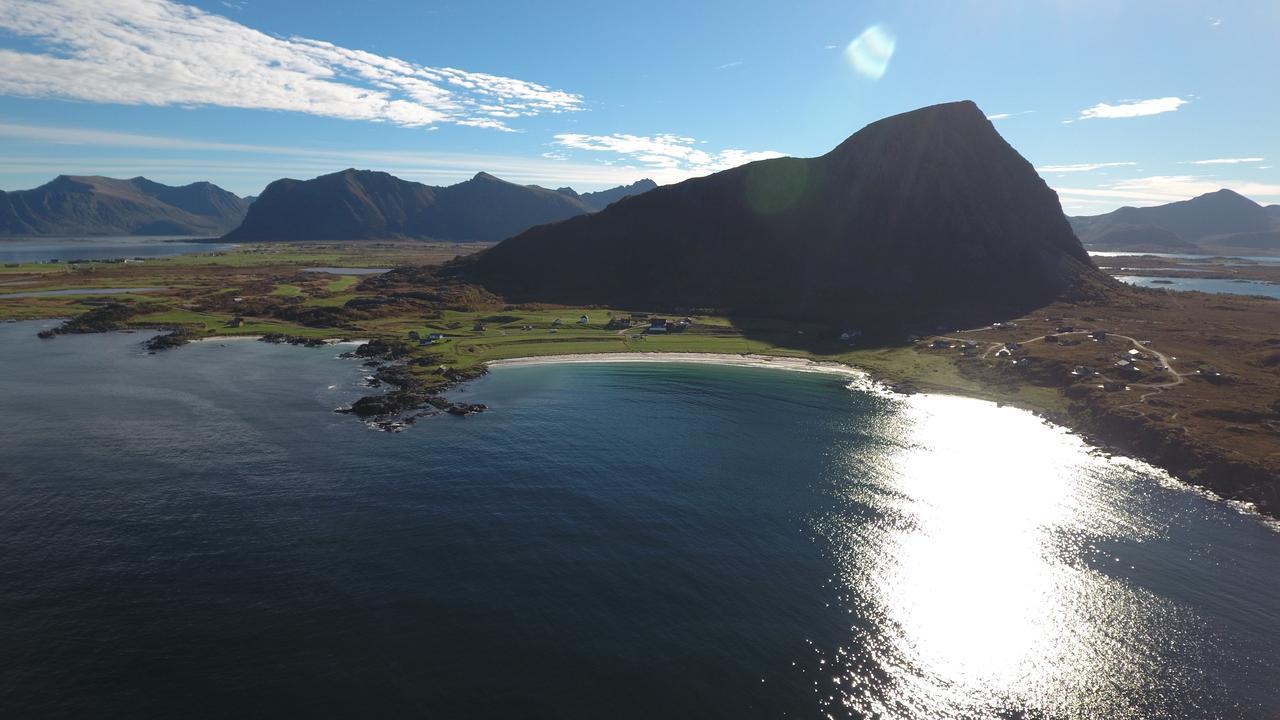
x=436, y=336
x=1051, y=339
x=657, y=325
x=235, y=322
x=940, y=345
x=1082, y=371
x=1111, y=386
x=1065, y=329
x=1013, y=345
x=1100, y=335
x=557, y=322
x=584, y=320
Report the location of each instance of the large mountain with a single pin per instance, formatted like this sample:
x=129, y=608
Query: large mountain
x=363, y=204
x=1217, y=220
x=924, y=216
x=92, y=205
x=604, y=198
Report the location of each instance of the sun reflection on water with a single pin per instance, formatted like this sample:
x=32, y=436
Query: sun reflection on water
x=969, y=546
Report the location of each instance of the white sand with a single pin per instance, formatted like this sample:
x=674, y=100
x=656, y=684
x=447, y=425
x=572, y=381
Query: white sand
x=759, y=361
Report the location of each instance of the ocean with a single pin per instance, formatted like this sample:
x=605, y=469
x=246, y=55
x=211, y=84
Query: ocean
x=195, y=533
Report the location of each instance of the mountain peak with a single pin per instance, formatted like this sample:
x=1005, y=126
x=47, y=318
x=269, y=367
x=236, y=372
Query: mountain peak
x=926, y=216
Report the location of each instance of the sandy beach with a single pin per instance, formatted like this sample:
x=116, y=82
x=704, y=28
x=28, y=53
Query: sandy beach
x=758, y=361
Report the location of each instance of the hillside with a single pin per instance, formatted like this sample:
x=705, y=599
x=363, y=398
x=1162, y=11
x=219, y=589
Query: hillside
x=925, y=216
x=1217, y=220
x=363, y=204
x=93, y=205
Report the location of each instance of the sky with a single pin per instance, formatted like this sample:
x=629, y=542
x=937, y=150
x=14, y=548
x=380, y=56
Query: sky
x=1115, y=103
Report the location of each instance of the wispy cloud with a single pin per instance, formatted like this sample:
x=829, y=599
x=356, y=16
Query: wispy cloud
x=1160, y=189
x=1225, y=161
x=158, y=52
x=675, y=154
x=1133, y=108
x=1215, y=21
x=1006, y=116
x=727, y=65
x=1081, y=167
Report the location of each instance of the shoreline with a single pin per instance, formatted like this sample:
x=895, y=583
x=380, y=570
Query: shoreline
x=776, y=362
x=1112, y=441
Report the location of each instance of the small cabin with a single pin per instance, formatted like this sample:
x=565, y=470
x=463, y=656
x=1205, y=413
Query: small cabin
x=1100, y=335
x=657, y=325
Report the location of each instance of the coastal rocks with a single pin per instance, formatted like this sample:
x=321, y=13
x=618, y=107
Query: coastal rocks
x=383, y=349
x=167, y=341
x=394, y=410
x=281, y=338
x=104, y=318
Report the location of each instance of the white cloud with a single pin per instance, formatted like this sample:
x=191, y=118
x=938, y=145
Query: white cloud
x=1081, y=167
x=158, y=52
x=1226, y=161
x=676, y=155
x=727, y=65
x=1133, y=108
x=1006, y=116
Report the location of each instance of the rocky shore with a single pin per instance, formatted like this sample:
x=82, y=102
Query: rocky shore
x=412, y=396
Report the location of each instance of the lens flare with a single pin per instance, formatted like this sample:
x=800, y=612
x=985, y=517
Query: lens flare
x=870, y=52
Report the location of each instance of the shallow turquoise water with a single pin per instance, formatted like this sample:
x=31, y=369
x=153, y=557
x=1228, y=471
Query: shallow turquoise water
x=195, y=534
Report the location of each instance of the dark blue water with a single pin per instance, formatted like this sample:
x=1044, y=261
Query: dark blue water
x=1209, y=285
x=195, y=534
x=29, y=250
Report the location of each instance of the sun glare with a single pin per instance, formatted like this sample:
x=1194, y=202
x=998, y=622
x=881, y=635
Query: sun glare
x=870, y=52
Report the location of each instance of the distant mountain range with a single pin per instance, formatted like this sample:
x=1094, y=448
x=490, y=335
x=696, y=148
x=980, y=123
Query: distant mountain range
x=363, y=204
x=605, y=198
x=928, y=215
x=93, y=205
x=1222, y=221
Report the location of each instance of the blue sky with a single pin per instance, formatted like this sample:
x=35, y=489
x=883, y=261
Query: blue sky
x=1117, y=103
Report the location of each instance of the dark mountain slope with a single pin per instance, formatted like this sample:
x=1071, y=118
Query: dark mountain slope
x=929, y=214
x=92, y=205
x=363, y=204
